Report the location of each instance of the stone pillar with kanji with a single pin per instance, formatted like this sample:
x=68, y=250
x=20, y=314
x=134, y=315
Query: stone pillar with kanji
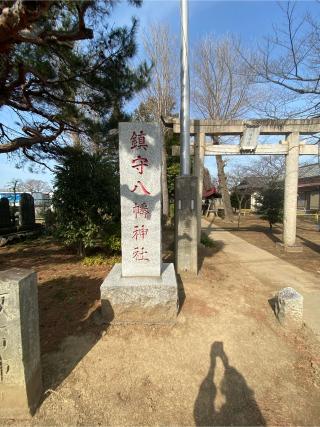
x=20, y=363
x=141, y=289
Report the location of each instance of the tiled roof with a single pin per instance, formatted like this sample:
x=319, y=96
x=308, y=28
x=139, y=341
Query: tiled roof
x=251, y=182
x=309, y=171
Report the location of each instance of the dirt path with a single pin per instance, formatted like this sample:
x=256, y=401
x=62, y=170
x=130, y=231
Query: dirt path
x=272, y=271
x=256, y=231
x=225, y=362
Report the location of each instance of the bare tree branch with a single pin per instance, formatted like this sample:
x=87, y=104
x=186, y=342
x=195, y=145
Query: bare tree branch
x=222, y=90
x=159, y=97
x=290, y=59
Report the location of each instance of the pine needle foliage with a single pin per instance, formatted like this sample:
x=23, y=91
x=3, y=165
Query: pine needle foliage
x=65, y=68
x=86, y=198
x=270, y=202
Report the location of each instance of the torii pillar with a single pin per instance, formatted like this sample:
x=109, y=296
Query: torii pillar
x=291, y=194
x=199, y=151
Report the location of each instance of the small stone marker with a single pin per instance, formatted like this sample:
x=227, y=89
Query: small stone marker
x=27, y=211
x=289, y=308
x=141, y=289
x=5, y=220
x=20, y=369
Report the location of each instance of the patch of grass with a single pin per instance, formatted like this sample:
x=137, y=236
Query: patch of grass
x=206, y=241
x=94, y=260
x=101, y=259
x=115, y=259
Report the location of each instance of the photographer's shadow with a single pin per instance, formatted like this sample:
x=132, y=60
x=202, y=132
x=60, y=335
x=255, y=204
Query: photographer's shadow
x=239, y=406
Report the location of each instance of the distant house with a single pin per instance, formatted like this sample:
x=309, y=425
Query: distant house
x=211, y=198
x=309, y=187
x=208, y=189
x=251, y=186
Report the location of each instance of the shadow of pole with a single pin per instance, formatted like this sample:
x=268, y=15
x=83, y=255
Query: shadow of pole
x=240, y=407
x=181, y=292
x=208, y=252
x=311, y=245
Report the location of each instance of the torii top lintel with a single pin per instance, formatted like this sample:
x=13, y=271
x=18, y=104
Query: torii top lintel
x=236, y=127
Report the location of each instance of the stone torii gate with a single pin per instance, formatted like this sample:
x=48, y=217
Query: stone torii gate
x=249, y=130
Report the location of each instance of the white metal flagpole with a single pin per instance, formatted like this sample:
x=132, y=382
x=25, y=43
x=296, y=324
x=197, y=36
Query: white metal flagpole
x=185, y=91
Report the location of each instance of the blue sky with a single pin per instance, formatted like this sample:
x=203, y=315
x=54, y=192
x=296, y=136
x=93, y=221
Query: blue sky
x=251, y=20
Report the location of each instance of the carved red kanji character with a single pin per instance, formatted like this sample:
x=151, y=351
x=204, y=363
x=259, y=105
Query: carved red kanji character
x=139, y=232
x=139, y=254
x=139, y=163
x=141, y=185
x=138, y=141
x=141, y=210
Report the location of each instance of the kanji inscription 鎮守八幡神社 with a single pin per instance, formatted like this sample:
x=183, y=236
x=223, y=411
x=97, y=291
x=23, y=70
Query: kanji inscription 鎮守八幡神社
x=139, y=163
x=140, y=178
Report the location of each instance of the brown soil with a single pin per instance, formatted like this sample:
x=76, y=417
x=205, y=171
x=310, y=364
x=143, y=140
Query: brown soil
x=68, y=291
x=257, y=232
x=225, y=362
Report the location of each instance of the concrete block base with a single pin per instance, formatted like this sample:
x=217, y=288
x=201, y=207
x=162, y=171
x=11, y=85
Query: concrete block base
x=289, y=249
x=20, y=401
x=145, y=300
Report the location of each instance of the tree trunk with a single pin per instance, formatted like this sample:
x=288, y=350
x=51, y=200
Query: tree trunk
x=165, y=194
x=81, y=251
x=224, y=189
x=239, y=211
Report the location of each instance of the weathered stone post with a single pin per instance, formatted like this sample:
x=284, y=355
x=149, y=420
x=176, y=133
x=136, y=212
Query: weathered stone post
x=291, y=191
x=199, y=160
x=27, y=212
x=141, y=289
x=20, y=369
x=186, y=224
x=5, y=220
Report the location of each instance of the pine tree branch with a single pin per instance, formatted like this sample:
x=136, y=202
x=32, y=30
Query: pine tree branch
x=16, y=20
x=19, y=16
x=26, y=143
